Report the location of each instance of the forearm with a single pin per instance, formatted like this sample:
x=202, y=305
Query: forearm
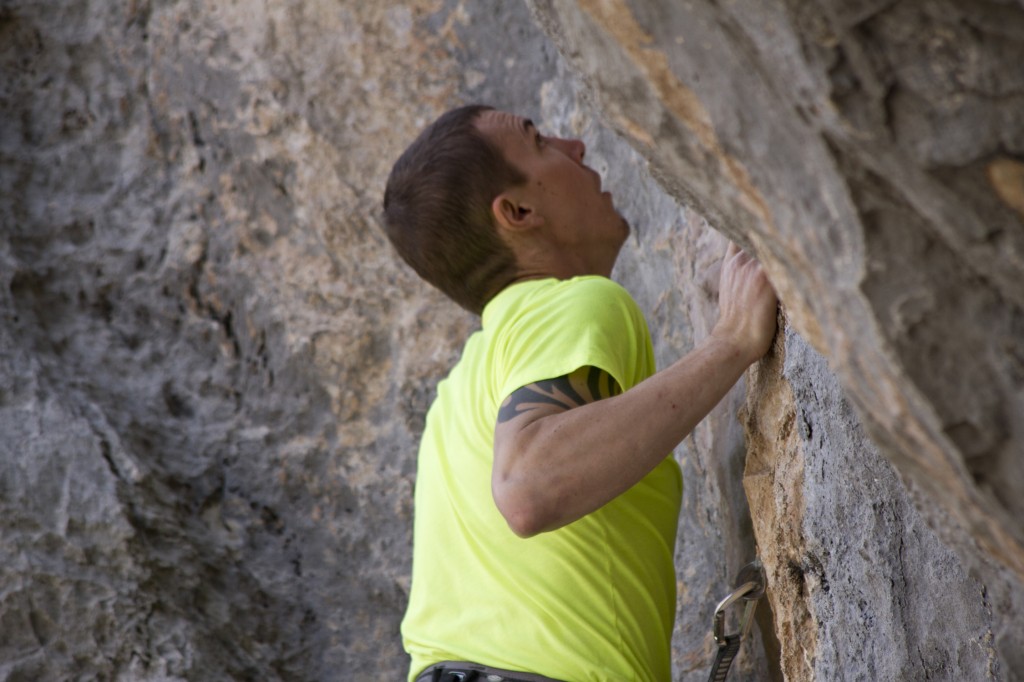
x=569, y=464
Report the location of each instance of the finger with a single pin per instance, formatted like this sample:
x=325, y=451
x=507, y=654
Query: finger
x=732, y=249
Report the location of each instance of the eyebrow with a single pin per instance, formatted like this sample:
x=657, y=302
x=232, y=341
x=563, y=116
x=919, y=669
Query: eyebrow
x=528, y=127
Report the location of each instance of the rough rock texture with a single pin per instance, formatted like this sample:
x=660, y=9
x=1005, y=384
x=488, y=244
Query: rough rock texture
x=213, y=373
x=860, y=587
x=869, y=153
x=845, y=143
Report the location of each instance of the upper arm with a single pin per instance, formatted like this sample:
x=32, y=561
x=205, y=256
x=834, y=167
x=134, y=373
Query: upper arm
x=544, y=398
x=519, y=469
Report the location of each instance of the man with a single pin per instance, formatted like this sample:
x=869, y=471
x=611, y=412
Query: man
x=547, y=498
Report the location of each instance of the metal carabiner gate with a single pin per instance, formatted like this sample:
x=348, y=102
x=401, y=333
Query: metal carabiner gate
x=750, y=586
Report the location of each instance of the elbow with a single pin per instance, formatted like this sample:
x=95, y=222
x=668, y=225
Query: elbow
x=524, y=525
x=522, y=514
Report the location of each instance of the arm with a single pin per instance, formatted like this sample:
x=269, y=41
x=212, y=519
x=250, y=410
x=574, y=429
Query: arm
x=561, y=452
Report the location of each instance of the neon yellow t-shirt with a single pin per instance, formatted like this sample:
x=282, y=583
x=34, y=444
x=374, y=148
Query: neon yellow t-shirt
x=592, y=601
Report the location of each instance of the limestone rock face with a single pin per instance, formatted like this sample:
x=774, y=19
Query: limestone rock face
x=208, y=426
x=870, y=155
x=214, y=373
x=866, y=154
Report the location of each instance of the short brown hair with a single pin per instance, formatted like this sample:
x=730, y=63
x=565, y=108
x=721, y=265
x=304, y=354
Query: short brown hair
x=437, y=209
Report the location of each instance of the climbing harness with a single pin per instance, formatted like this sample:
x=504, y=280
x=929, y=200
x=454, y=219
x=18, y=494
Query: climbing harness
x=750, y=585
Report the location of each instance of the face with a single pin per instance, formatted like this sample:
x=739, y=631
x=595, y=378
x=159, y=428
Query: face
x=579, y=219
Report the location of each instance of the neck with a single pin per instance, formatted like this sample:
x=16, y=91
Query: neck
x=559, y=265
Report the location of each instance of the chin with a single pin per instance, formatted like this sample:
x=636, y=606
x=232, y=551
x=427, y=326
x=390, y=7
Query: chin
x=626, y=227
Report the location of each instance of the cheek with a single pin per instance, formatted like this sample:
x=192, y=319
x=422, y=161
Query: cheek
x=556, y=188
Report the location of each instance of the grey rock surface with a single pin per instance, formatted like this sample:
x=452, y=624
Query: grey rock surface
x=865, y=153
x=860, y=586
x=214, y=373
x=842, y=146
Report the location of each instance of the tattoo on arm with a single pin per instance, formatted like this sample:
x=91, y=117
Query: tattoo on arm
x=585, y=385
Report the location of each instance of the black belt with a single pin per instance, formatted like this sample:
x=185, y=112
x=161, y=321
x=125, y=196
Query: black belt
x=461, y=671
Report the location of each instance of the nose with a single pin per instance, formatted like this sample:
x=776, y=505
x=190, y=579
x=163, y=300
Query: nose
x=574, y=149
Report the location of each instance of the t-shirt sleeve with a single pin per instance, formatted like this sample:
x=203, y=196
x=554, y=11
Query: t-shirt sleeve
x=583, y=322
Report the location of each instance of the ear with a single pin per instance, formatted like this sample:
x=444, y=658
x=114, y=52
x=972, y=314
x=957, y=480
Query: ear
x=514, y=214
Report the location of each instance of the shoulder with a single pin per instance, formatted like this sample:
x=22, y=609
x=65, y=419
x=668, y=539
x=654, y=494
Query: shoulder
x=586, y=295
x=598, y=290
x=572, y=313
x=597, y=300
x=550, y=328
x=589, y=286
x=571, y=307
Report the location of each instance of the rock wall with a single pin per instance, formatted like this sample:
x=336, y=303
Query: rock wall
x=870, y=155
x=213, y=373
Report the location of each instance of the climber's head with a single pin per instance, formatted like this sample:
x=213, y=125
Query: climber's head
x=559, y=222
x=437, y=209
x=481, y=199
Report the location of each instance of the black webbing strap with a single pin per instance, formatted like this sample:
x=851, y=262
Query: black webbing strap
x=723, y=659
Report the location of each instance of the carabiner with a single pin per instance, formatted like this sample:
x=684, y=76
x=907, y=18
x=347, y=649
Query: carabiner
x=750, y=587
